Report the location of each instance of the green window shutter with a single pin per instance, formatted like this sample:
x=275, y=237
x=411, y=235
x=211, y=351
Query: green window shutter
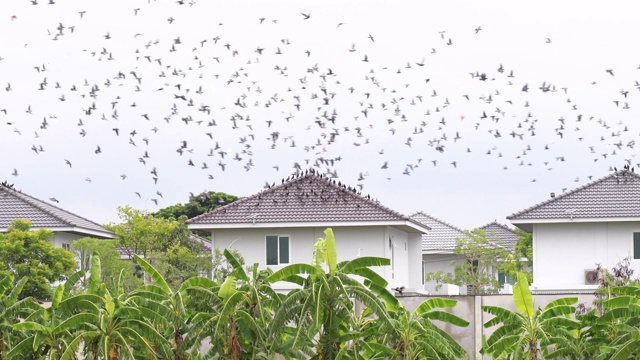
x=284, y=250
x=272, y=250
x=636, y=245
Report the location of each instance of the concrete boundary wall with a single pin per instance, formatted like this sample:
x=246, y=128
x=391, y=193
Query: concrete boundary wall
x=470, y=309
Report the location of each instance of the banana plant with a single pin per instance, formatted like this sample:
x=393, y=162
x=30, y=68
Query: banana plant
x=236, y=314
x=620, y=325
x=113, y=326
x=415, y=335
x=527, y=333
x=48, y=331
x=11, y=311
x=319, y=316
x=170, y=305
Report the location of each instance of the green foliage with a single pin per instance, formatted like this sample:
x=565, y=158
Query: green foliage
x=620, y=275
x=140, y=233
x=330, y=316
x=320, y=313
x=522, y=296
x=11, y=311
x=528, y=334
x=221, y=267
x=111, y=264
x=521, y=260
x=197, y=205
x=416, y=336
x=165, y=242
x=483, y=259
x=26, y=253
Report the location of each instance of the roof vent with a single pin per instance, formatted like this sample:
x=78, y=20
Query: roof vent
x=553, y=194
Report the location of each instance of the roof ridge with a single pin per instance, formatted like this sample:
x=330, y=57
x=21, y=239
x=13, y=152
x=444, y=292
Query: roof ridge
x=245, y=199
x=494, y=222
x=375, y=203
x=564, y=195
x=32, y=200
x=438, y=220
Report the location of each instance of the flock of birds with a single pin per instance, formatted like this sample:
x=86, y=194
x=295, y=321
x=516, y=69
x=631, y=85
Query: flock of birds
x=279, y=104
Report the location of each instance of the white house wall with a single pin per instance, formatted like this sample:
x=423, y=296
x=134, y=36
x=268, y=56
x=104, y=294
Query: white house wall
x=434, y=262
x=415, y=279
x=351, y=242
x=60, y=238
x=563, y=251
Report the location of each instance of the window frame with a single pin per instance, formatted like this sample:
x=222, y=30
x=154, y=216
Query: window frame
x=66, y=246
x=279, y=239
x=635, y=245
x=506, y=279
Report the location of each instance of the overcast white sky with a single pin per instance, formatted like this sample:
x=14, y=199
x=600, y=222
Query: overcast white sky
x=268, y=79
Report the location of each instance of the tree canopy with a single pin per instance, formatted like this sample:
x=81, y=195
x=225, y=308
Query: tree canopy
x=112, y=265
x=521, y=260
x=164, y=242
x=29, y=254
x=197, y=205
x=483, y=259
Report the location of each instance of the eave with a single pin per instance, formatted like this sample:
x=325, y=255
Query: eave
x=74, y=230
x=527, y=224
x=406, y=226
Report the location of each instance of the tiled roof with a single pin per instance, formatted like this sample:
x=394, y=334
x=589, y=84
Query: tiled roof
x=615, y=195
x=307, y=197
x=18, y=205
x=206, y=243
x=441, y=237
x=501, y=234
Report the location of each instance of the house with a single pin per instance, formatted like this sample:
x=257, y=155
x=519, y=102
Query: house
x=438, y=247
x=438, y=252
x=506, y=238
x=65, y=225
x=280, y=225
x=501, y=234
x=597, y=223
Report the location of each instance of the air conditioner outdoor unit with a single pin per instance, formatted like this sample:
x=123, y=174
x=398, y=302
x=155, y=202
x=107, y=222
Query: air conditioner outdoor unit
x=591, y=277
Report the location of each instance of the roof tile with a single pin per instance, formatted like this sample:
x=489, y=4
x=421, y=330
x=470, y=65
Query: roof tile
x=307, y=197
x=441, y=237
x=18, y=205
x=615, y=195
x=501, y=234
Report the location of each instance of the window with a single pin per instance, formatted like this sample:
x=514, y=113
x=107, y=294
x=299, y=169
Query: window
x=505, y=279
x=277, y=249
x=636, y=245
x=66, y=246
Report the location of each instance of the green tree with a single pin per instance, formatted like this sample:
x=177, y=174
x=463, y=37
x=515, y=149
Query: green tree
x=165, y=243
x=319, y=315
x=482, y=260
x=26, y=253
x=171, y=305
x=527, y=334
x=221, y=265
x=114, y=326
x=47, y=329
x=11, y=311
x=236, y=315
x=521, y=260
x=415, y=336
x=111, y=264
x=197, y=205
x=140, y=233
